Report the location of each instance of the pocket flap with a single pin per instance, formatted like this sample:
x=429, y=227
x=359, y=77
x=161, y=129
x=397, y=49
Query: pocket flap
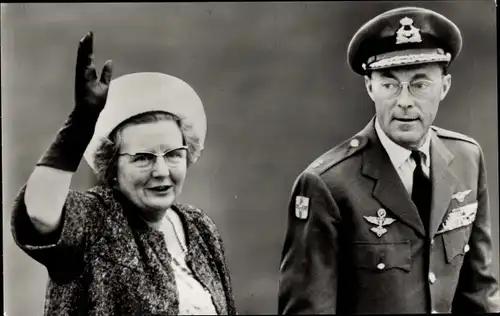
x=382, y=256
x=454, y=243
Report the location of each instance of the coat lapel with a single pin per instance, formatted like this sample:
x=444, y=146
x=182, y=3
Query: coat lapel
x=444, y=182
x=117, y=242
x=388, y=188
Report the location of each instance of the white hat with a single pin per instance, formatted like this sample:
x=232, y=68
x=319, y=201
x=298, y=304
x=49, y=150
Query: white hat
x=142, y=92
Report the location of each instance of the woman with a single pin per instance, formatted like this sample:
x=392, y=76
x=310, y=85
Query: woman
x=125, y=247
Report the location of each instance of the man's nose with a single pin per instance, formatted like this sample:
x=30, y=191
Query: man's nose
x=405, y=99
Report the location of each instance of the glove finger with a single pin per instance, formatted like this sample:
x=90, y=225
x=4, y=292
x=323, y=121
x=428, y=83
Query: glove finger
x=85, y=56
x=107, y=72
x=90, y=74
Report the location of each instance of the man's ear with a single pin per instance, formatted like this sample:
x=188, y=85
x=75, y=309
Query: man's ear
x=446, y=86
x=369, y=86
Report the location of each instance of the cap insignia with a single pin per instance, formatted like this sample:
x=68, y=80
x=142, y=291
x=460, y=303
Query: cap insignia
x=407, y=33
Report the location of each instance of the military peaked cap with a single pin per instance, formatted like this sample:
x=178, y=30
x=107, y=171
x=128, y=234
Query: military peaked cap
x=404, y=36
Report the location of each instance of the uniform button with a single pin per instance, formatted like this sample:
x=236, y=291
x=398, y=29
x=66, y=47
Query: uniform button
x=432, y=277
x=354, y=143
x=381, y=266
x=466, y=248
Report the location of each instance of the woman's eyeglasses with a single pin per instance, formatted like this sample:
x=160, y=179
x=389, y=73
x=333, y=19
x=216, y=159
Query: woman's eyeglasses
x=146, y=160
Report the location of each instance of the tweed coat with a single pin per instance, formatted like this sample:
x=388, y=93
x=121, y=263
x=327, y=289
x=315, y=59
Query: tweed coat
x=104, y=260
x=333, y=261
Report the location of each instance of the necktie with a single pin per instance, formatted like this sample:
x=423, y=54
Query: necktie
x=422, y=189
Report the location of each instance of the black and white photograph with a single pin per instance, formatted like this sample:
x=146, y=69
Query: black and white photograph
x=223, y=158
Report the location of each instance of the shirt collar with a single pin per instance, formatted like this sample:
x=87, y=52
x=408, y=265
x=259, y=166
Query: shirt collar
x=398, y=154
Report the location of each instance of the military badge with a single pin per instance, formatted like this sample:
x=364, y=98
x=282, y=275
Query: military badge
x=459, y=217
x=380, y=220
x=301, y=207
x=460, y=196
x=407, y=33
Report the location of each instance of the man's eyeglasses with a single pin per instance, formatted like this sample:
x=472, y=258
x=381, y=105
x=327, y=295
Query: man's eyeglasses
x=420, y=88
x=146, y=160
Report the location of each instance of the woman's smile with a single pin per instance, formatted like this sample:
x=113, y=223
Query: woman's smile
x=160, y=189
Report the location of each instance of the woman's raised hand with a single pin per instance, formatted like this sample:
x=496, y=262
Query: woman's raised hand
x=90, y=92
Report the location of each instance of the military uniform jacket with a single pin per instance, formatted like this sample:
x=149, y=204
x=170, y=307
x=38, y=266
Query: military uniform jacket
x=355, y=242
x=105, y=260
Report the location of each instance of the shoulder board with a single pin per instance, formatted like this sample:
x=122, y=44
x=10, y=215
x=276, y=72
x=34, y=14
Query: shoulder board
x=444, y=133
x=338, y=154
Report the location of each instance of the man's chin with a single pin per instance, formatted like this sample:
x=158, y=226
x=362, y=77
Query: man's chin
x=409, y=140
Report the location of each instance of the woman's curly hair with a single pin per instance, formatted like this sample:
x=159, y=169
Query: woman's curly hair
x=106, y=156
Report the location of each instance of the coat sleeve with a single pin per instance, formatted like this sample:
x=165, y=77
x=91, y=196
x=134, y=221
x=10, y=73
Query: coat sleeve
x=477, y=290
x=60, y=251
x=309, y=259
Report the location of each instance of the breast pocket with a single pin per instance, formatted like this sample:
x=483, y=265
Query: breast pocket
x=382, y=256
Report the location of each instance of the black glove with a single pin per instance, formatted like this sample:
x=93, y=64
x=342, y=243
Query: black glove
x=66, y=152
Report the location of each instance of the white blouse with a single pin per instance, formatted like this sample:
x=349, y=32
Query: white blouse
x=194, y=299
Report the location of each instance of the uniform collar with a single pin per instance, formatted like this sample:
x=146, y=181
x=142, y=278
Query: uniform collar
x=398, y=154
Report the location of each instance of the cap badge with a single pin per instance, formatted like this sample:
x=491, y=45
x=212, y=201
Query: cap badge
x=407, y=33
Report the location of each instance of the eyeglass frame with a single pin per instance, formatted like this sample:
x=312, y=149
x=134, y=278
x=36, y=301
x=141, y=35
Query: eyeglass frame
x=157, y=155
x=409, y=85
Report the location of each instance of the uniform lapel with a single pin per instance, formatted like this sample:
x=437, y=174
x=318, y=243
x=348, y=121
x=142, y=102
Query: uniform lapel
x=388, y=188
x=444, y=182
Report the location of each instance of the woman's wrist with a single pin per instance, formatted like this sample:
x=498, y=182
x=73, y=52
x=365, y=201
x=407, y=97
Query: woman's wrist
x=66, y=151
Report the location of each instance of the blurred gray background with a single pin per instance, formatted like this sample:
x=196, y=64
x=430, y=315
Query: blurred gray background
x=277, y=91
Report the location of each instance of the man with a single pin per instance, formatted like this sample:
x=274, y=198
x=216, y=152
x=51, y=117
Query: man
x=395, y=219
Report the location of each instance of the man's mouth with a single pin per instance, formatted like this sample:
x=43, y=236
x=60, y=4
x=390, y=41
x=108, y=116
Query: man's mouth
x=406, y=119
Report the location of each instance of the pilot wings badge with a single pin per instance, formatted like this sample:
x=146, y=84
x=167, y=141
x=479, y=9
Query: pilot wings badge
x=380, y=220
x=460, y=196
